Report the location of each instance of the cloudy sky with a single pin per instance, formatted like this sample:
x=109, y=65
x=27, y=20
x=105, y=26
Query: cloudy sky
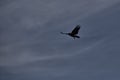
x=32, y=48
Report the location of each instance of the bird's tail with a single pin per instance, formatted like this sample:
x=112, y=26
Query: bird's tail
x=77, y=36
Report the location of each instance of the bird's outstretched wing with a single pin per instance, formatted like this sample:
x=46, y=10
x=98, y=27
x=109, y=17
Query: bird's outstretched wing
x=75, y=30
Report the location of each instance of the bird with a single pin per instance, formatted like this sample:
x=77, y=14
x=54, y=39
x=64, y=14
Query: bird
x=74, y=32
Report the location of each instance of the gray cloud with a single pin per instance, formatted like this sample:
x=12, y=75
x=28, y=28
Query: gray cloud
x=32, y=48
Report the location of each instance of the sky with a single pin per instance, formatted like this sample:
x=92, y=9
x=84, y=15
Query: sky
x=32, y=48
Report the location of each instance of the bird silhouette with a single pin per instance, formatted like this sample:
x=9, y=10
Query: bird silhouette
x=74, y=32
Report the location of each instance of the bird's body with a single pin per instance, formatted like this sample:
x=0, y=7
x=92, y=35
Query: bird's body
x=74, y=32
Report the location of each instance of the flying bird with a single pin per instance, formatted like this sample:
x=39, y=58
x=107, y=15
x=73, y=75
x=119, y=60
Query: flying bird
x=74, y=32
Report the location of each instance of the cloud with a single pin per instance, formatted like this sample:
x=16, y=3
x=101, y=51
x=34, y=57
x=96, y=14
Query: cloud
x=31, y=42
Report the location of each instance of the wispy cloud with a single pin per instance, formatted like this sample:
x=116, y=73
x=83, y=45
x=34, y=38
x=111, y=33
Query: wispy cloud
x=30, y=34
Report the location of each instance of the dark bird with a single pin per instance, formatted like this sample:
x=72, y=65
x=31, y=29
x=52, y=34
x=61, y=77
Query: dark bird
x=74, y=32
